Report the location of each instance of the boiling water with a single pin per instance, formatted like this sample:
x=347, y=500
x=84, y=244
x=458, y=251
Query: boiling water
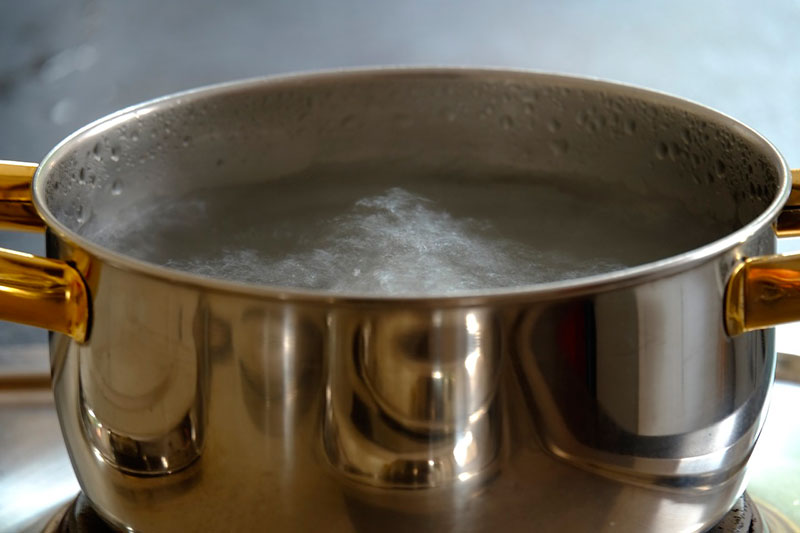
x=330, y=231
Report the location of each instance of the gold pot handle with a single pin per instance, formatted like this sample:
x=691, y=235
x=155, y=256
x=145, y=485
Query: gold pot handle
x=765, y=291
x=38, y=291
x=16, y=202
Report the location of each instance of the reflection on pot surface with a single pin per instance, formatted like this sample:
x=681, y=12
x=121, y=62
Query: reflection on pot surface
x=412, y=398
x=612, y=390
x=615, y=399
x=144, y=384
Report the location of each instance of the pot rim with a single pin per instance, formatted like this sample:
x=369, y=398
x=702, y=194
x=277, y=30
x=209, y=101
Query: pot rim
x=540, y=291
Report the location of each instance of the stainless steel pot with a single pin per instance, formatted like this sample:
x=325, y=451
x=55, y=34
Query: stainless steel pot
x=627, y=401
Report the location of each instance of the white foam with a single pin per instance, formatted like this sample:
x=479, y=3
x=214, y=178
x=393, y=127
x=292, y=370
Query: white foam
x=393, y=243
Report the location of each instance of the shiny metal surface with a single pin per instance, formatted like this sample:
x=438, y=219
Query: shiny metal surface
x=773, y=469
x=16, y=202
x=610, y=403
x=44, y=292
x=37, y=291
x=744, y=517
x=621, y=404
x=763, y=292
x=788, y=223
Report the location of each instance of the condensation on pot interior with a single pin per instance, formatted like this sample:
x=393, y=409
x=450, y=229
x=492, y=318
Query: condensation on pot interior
x=663, y=160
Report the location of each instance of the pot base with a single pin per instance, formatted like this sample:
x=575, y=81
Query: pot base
x=745, y=517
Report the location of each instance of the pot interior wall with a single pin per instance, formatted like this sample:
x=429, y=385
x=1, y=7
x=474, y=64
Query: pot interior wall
x=619, y=176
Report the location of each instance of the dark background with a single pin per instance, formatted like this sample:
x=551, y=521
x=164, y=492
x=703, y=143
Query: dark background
x=66, y=63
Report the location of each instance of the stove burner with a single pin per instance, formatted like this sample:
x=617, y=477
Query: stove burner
x=79, y=517
x=742, y=518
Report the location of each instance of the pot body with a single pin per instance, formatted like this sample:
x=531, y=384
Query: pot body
x=618, y=403
x=626, y=409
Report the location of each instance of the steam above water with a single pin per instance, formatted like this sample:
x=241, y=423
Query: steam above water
x=393, y=243
x=374, y=237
